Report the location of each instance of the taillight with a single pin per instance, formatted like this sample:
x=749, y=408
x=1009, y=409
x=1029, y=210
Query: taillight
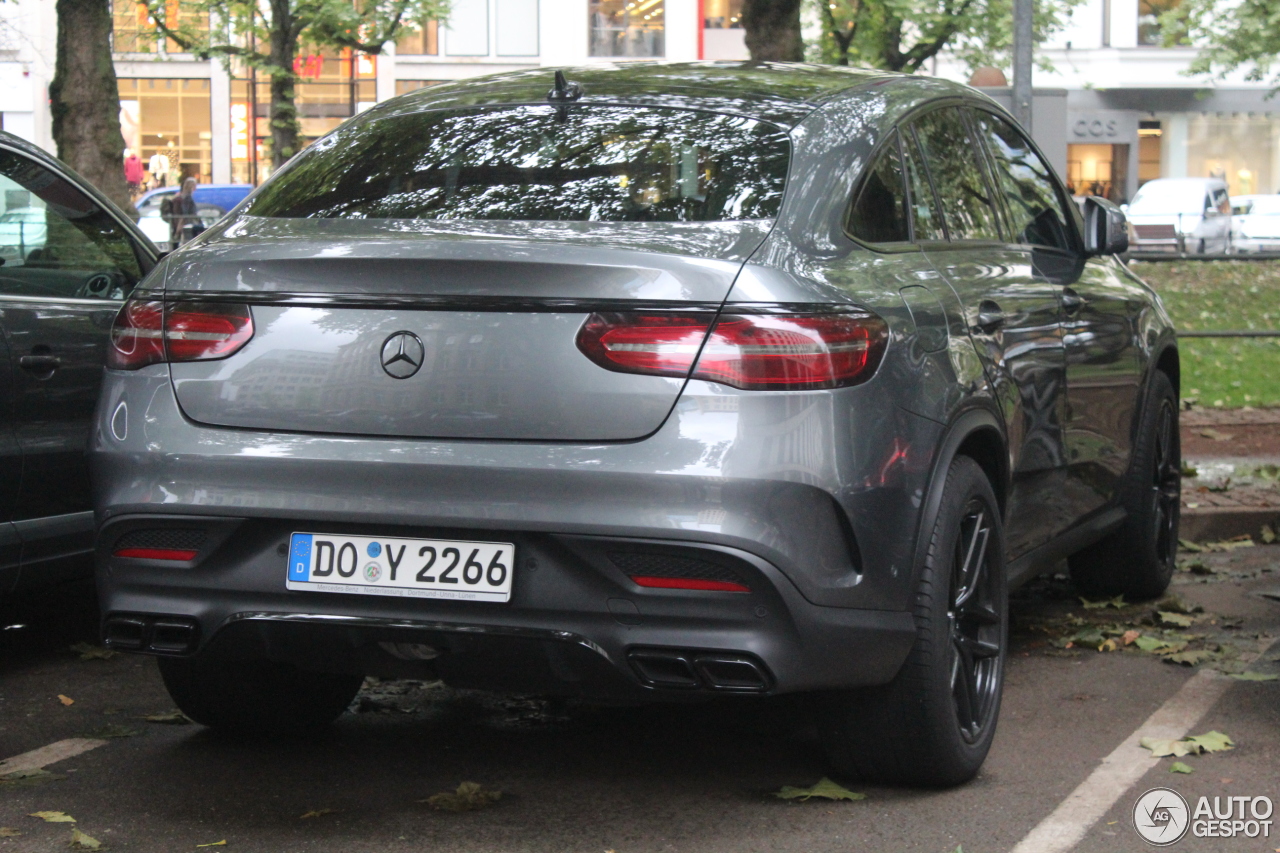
x=655, y=344
x=149, y=331
x=781, y=352
x=792, y=352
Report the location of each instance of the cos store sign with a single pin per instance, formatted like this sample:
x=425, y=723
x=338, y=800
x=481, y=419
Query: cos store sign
x=1102, y=127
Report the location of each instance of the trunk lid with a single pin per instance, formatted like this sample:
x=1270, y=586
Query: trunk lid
x=496, y=307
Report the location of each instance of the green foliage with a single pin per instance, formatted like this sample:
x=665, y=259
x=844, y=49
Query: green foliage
x=1218, y=295
x=268, y=36
x=1236, y=34
x=902, y=35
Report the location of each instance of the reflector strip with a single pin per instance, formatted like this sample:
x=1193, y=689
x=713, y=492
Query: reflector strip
x=179, y=555
x=690, y=583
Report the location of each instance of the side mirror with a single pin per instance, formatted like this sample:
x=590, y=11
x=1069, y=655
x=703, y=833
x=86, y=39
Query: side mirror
x=1105, y=231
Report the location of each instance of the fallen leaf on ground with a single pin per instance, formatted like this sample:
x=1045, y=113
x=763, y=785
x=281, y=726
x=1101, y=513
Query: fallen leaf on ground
x=316, y=813
x=6, y=832
x=66, y=700
x=1214, y=741
x=80, y=841
x=1268, y=535
x=1108, y=646
x=1155, y=644
x=1216, y=435
x=222, y=843
x=825, y=788
x=170, y=718
x=1176, y=604
x=1188, y=545
x=1254, y=676
x=1130, y=636
x=1176, y=620
x=1117, y=602
x=54, y=817
x=1179, y=767
x=469, y=796
x=88, y=651
x=1191, y=658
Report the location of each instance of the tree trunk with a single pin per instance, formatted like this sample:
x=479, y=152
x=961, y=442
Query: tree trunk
x=285, y=129
x=84, y=98
x=773, y=30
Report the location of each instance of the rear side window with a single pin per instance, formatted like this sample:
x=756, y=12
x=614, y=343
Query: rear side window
x=926, y=218
x=954, y=164
x=576, y=163
x=1031, y=197
x=879, y=213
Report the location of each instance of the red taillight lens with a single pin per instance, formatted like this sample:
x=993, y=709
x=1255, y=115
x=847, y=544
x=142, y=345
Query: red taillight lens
x=789, y=352
x=148, y=332
x=756, y=352
x=701, y=584
x=656, y=344
x=197, y=331
x=137, y=337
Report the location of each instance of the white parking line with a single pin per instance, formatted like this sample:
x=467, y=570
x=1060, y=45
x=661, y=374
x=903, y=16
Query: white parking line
x=51, y=754
x=1126, y=764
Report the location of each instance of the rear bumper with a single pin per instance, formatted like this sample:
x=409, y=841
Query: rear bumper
x=576, y=623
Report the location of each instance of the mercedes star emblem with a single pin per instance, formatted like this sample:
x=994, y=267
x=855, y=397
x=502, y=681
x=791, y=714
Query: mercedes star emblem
x=402, y=355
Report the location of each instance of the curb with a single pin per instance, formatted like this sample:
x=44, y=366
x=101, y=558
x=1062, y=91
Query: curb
x=1215, y=523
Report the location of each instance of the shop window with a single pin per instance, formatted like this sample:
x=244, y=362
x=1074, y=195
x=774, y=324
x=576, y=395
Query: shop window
x=1240, y=148
x=1100, y=170
x=168, y=123
x=333, y=87
x=423, y=41
x=627, y=28
x=722, y=14
x=1149, y=12
x=1150, y=137
x=404, y=87
x=133, y=30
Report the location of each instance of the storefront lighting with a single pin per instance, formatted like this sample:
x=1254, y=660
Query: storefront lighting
x=1150, y=131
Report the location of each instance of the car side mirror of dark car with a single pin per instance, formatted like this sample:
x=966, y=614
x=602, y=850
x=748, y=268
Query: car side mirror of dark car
x=1105, y=228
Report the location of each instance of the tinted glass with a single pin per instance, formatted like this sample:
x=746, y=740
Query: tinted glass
x=926, y=220
x=55, y=241
x=954, y=164
x=1031, y=197
x=579, y=163
x=879, y=215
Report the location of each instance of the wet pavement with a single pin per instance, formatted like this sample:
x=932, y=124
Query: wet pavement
x=688, y=777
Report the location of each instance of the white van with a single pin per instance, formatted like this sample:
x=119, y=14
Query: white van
x=1181, y=215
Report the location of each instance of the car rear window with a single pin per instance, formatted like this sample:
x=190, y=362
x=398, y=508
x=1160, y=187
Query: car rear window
x=577, y=163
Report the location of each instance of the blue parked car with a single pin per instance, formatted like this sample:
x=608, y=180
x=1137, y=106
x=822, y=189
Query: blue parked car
x=212, y=201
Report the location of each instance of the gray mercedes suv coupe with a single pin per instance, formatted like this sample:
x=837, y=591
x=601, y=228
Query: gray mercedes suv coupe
x=635, y=383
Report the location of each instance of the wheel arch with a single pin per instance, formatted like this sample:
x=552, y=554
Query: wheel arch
x=979, y=434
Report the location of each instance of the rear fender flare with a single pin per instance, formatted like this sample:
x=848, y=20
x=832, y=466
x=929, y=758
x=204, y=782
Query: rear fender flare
x=964, y=426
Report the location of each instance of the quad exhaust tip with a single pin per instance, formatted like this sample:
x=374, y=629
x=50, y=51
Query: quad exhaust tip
x=166, y=635
x=681, y=669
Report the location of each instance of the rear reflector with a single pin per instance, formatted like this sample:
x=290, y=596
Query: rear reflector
x=155, y=554
x=757, y=352
x=690, y=583
x=150, y=331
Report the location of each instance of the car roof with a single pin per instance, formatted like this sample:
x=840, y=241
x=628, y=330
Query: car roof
x=778, y=92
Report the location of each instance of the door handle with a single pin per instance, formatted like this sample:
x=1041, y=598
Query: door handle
x=40, y=363
x=1072, y=302
x=990, y=317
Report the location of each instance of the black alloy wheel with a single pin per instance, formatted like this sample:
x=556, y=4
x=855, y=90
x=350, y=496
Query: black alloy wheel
x=976, y=629
x=1166, y=484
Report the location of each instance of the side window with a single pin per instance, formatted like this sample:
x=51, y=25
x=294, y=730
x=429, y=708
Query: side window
x=879, y=213
x=55, y=241
x=953, y=163
x=1221, y=202
x=1031, y=197
x=926, y=219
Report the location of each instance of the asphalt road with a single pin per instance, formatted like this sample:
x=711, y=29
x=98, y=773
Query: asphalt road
x=685, y=778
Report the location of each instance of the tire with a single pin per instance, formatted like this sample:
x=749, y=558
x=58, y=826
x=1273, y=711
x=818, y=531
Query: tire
x=934, y=723
x=1138, y=560
x=256, y=696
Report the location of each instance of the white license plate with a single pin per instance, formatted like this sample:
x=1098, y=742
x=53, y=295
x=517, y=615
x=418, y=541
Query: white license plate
x=412, y=568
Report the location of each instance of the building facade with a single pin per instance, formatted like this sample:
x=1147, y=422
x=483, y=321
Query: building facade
x=1131, y=114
